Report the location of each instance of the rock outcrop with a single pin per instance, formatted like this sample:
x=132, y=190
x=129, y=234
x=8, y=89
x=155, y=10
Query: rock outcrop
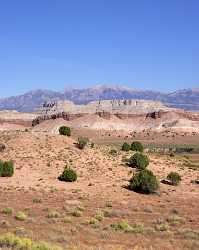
x=118, y=114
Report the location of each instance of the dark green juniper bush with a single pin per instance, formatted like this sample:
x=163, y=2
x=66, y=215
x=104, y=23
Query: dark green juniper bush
x=144, y=182
x=137, y=146
x=174, y=178
x=68, y=175
x=82, y=142
x=126, y=147
x=6, y=168
x=113, y=152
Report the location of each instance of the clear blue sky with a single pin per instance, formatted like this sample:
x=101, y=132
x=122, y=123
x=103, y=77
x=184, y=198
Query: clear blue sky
x=150, y=44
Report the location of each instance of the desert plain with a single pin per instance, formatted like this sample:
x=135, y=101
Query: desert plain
x=98, y=211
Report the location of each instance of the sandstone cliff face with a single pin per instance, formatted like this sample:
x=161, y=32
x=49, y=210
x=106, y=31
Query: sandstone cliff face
x=118, y=114
x=126, y=114
x=110, y=106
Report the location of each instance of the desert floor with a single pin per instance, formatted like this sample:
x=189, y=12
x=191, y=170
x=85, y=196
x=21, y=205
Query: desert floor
x=82, y=215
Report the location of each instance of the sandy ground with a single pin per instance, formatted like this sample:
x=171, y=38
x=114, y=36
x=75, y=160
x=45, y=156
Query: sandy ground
x=40, y=157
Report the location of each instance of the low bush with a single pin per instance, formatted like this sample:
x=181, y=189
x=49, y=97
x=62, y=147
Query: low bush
x=122, y=225
x=6, y=169
x=65, y=131
x=139, y=161
x=174, y=178
x=126, y=147
x=20, y=216
x=77, y=213
x=137, y=146
x=53, y=214
x=113, y=152
x=1, y=168
x=144, y=182
x=82, y=142
x=2, y=147
x=10, y=241
x=68, y=175
x=7, y=210
x=99, y=216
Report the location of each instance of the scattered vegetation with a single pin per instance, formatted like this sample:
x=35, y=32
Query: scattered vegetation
x=139, y=161
x=67, y=219
x=7, y=210
x=172, y=148
x=65, y=131
x=176, y=220
x=6, y=168
x=82, y=142
x=20, y=216
x=137, y=146
x=10, y=241
x=190, y=164
x=37, y=200
x=126, y=147
x=99, y=216
x=77, y=213
x=174, y=178
x=113, y=152
x=93, y=222
x=144, y=182
x=2, y=147
x=124, y=226
x=162, y=227
x=53, y=214
x=68, y=175
x=188, y=233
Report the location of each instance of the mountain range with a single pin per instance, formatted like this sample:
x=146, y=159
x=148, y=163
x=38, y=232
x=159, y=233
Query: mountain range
x=187, y=99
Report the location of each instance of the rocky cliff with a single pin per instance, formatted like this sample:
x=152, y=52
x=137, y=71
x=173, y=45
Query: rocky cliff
x=118, y=114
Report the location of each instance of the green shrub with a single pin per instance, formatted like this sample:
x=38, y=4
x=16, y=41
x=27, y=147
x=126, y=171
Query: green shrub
x=20, y=216
x=1, y=168
x=126, y=147
x=139, y=161
x=93, y=221
x=68, y=175
x=2, y=147
x=65, y=131
x=82, y=142
x=137, y=146
x=122, y=226
x=99, y=216
x=144, y=182
x=6, y=169
x=53, y=214
x=77, y=213
x=113, y=152
x=10, y=241
x=7, y=210
x=174, y=178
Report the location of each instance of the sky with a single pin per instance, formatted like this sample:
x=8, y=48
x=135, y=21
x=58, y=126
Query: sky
x=55, y=44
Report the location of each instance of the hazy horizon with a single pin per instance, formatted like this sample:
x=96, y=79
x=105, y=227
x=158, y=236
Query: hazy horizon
x=151, y=45
x=94, y=86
